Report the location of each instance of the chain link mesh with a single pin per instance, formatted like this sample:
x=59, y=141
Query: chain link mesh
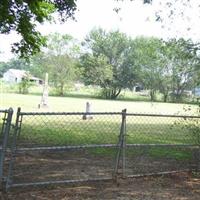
x=160, y=143
x=71, y=130
x=69, y=147
x=79, y=146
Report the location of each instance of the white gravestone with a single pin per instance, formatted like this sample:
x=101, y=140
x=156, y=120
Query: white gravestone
x=44, y=99
x=88, y=110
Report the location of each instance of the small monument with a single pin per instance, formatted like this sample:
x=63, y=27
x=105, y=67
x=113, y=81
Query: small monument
x=44, y=99
x=88, y=110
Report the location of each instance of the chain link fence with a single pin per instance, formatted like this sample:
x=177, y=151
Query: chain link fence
x=5, y=125
x=55, y=148
x=161, y=143
x=51, y=148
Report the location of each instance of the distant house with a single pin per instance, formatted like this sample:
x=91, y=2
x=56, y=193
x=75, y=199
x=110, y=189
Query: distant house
x=196, y=92
x=16, y=76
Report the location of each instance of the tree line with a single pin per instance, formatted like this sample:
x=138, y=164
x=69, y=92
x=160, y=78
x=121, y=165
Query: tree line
x=115, y=61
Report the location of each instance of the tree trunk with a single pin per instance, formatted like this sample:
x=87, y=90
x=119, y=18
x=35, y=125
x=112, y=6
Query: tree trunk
x=165, y=97
x=61, y=93
x=111, y=93
x=115, y=93
x=152, y=95
x=178, y=95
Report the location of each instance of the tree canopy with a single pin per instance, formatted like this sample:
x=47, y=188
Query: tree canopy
x=109, y=61
x=23, y=15
x=115, y=62
x=59, y=60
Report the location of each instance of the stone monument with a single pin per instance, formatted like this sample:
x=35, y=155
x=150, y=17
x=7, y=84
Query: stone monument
x=44, y=99
x=88, y=110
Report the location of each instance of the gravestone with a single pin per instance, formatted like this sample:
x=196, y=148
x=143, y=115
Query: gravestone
x=88, y=110
x=44, y=99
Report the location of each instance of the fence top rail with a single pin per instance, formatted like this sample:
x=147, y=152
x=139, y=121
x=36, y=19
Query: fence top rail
x=108, y=113
x=161, y=115
x=6, y=110
x=70, y=113
x=3, y=111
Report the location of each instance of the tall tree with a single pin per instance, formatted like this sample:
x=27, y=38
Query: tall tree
x=149, y=60
x=109, y=61
x=184, y=64
x=170, y=67
x=59, y=60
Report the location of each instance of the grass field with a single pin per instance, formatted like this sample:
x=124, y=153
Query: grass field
x=69, y=104
x=72, y=130
x=59, y=130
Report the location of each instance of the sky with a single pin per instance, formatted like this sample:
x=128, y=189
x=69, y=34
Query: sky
x=134, y=19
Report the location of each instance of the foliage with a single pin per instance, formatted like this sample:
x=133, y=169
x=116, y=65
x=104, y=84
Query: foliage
x=192, y=125
x=183, y=63
x=25, y=84
x=97, y=71
x=148, y=58
x=173, y=11
x=13, y=64
x=3, y=68
x=116, y=62
x=23, y=15
x=170, y=67
x=169, y=13
x=58, y=60
x=108, y=61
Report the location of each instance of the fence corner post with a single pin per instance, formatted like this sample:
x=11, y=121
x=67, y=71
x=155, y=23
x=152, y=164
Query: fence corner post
x=5, y=137
x=124, y=144
x=13, y=149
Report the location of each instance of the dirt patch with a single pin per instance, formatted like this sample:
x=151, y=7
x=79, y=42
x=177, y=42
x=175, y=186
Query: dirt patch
x=180, y=186
x=86, y=164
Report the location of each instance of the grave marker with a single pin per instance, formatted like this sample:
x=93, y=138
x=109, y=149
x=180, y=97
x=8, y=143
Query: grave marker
x=44, y=99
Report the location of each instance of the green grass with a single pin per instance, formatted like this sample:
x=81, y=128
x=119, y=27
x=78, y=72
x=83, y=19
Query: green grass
x=99, y=131
x=70, y=104
x=179, y=154
x=72, y=130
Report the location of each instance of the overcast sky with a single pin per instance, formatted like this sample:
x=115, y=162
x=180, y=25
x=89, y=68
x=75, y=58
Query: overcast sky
x=135, y=19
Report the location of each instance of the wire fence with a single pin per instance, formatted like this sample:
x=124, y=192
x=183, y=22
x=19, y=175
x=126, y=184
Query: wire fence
x=55, y=148
x=161, y=143
x=51, y=148
x=5, y=125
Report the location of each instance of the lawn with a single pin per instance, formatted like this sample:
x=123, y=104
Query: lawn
x=69, y=104
x=73, y=130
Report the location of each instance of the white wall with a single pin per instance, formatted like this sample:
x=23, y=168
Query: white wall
x=10, y=78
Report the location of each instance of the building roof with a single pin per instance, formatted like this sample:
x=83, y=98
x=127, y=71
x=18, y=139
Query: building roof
x=22, y=73
x=17, y=72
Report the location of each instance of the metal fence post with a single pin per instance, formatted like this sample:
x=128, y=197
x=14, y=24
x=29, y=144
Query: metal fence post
x=121, y=145
x=13, y=149
x=197, y=158
x=5, y=136
x=124, y=145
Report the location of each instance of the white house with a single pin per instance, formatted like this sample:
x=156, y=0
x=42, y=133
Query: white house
x=16, y=76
